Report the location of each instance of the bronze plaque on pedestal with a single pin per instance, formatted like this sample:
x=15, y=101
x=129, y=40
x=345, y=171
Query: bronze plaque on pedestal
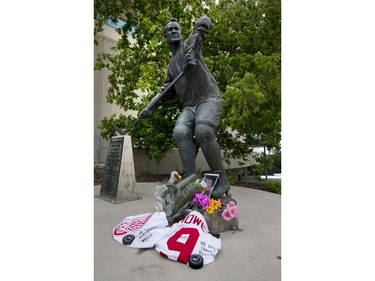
x=112, y=169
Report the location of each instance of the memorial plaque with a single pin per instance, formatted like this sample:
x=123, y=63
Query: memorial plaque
x=112, y=168
x=118, y=183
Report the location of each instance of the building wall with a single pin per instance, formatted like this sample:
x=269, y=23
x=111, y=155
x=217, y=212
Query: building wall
x=102, y=108
x=143, y=164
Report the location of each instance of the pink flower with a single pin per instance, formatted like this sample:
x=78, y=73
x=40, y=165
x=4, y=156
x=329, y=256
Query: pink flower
x=231, y=204
x=233, y=211
x=230, y=212
x=226, y=215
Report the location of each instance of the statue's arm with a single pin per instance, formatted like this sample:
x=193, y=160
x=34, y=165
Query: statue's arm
x=202, y=26
x=195, y=42
x=158, y=99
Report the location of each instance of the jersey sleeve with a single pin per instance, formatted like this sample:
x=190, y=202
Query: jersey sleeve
x=144, y=230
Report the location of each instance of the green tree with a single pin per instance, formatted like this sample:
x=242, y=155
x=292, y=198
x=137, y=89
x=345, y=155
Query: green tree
x=248, y=70
x=243, y=50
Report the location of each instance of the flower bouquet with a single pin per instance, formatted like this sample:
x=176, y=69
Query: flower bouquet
x=174, y=198
x=219, y=216
x=178, y=196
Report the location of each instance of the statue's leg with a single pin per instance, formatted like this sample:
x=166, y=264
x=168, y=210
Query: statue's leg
x=183, y=135
x=205, y=136
x=206, y=121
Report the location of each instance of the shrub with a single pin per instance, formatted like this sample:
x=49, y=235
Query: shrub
x=273, y=186
x=276, y=163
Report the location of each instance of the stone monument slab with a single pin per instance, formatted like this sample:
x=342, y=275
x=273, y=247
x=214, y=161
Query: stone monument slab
x=118, y=183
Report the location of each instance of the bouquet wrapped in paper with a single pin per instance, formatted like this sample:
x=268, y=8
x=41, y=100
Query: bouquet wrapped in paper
x=174, y=199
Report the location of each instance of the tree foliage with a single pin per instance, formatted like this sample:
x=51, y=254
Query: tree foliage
x=243, y=50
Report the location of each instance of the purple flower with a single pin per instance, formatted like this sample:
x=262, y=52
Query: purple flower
x=201, y=200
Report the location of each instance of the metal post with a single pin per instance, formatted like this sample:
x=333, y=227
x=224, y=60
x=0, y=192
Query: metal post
x=265, y=161
x=97, y=148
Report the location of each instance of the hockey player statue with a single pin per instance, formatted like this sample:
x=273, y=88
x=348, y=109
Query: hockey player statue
x=189, y=79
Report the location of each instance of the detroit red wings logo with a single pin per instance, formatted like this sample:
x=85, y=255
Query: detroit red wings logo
x=129, y=225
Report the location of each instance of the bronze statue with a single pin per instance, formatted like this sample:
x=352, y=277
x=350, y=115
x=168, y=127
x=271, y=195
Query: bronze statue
x=198, y=93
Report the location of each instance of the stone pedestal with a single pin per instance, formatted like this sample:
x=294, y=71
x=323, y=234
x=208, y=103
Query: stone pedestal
x=217, y=224
x=118, y=183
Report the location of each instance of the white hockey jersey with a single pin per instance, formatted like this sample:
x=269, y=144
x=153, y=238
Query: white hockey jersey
x=147, y=229
x=187, y=237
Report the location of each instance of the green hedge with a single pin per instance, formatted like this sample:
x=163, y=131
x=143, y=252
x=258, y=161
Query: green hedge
x=273, y=186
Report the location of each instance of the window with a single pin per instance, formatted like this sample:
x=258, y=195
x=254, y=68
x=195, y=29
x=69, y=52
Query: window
x=120, y=23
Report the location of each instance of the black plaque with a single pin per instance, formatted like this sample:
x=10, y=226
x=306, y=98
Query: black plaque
x=112, y=169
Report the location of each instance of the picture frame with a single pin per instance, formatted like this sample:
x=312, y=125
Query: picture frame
x=210, y=180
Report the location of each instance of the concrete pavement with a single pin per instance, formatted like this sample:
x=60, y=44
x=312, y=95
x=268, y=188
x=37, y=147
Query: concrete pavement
x=247, y=255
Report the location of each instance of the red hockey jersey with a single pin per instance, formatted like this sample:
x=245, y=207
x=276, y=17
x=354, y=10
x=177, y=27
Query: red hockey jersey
x=187, y=237
x=142, y=231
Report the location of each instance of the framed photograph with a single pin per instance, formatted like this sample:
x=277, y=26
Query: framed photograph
x=210, y=181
